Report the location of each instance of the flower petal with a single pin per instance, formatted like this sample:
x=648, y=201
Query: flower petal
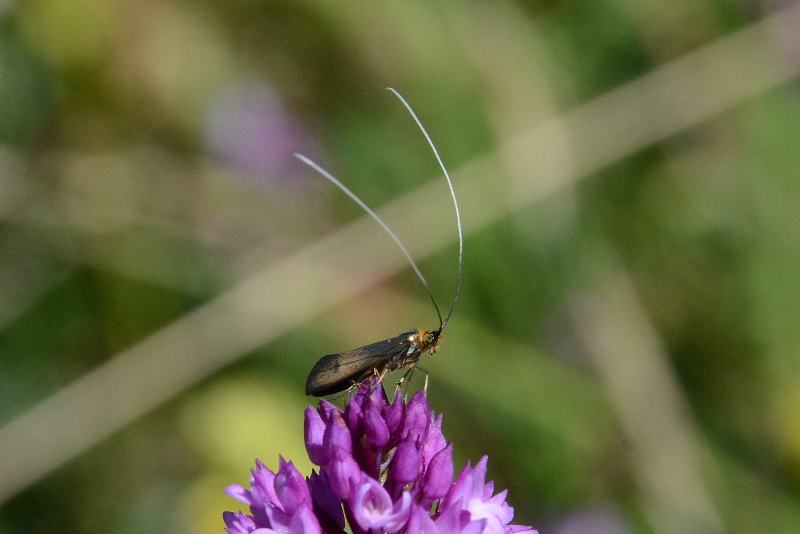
x=375, y=427
x=327, y=505
x=478, y=476
x=291, y=488
x=439, y=475
x=337, y=435
x=474, y=527
x=327, y=409
x=262, y=487
x=314, y=430
x=239, y=493
x=395, y=413
x=373, y=508
x=405, y=466
x=304, y=522
x=461, y=490
x=433, y=441
x=420, y=522
x=343, y=473
x=354, y=418
x=238, y=523
x=452, y=519
x=416, y=422
x=398, y=518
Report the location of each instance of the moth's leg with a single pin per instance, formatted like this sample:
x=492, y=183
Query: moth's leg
x=409, y=374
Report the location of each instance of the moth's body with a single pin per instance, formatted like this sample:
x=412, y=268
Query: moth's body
x=337, y=372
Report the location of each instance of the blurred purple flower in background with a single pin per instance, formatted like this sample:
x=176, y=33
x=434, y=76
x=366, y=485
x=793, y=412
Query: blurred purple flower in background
x=250, y=127
x=384, y=467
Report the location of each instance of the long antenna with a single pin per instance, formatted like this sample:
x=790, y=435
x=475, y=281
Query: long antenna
x=452, y=194
x=374, y=215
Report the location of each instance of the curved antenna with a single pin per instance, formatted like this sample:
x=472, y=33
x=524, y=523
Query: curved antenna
x=374, y=215
x=455, y=203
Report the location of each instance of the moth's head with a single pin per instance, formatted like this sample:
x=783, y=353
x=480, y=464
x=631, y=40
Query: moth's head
x=429, y=340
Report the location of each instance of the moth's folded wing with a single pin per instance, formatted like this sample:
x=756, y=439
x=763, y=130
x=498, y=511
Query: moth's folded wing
x=336, y=372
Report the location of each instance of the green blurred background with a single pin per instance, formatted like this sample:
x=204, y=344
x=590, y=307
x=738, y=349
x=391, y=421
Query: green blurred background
x=626, y=347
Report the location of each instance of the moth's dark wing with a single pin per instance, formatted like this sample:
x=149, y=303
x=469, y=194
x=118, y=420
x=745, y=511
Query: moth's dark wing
x=337, y=372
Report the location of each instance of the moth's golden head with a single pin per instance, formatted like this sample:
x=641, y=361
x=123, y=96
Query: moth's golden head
x=429, y=340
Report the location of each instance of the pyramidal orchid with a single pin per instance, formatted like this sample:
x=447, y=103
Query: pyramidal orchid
x=384, y=467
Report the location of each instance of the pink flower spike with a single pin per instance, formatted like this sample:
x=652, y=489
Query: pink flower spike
x=373, y=508
x=384, y=469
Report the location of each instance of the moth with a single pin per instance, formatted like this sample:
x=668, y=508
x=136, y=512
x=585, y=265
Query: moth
x=338, y=372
